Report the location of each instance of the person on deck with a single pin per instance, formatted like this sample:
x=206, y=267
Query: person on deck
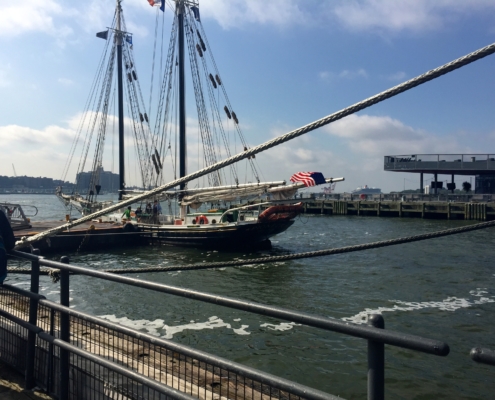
x=127, y=214
x=7, y=243
x=157, y=209
x=149, y=208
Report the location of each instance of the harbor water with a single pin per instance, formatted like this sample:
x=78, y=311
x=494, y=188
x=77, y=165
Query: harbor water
x=441, y=289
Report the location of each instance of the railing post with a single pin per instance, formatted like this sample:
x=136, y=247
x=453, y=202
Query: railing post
x=376, y=362
x=64, y=331
x=33, y=319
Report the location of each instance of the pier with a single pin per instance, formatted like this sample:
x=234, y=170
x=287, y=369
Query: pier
x=478, y=211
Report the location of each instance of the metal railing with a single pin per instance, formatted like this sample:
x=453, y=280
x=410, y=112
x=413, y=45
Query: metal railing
x=58, y=339
x=440, y=161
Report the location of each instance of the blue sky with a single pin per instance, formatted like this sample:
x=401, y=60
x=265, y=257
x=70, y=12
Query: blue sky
x=285, y=63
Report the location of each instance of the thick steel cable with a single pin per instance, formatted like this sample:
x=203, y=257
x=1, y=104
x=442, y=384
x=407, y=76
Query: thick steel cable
x=426, y=77
x=287, y=257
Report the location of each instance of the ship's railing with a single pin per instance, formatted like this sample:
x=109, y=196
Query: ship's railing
x=461, y=198
x=460, y=162
x=71, y=354
x=16, y=215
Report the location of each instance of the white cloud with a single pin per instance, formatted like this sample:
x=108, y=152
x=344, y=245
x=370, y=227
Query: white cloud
x=398, y=76
x=235, y=13
x=380, y=136
x=65, y=82
x=405, y=15
x=360, y=73
x=328, y=76
x=17, y=18
x=34, y=152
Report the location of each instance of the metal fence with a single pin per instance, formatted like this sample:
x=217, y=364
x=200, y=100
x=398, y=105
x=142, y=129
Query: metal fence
x=74, y=355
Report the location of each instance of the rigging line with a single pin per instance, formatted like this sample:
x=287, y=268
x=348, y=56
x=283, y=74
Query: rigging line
x=287, y=257
x=214, y=108
x=86, y=107
x=213, y=104
x=320, y=253
x=140, y=136
x=107, y=78
x=237, y=127
x=153, y=60
x=394, y=91
x=97, y=103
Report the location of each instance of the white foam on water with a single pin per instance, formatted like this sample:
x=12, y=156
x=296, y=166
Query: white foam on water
x=449, y=304
x=159, y=328
x=283, y=326
x=20, y=283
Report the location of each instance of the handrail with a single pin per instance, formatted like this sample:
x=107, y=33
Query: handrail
x=484, y=356
x=374, y=332
x=404, y=340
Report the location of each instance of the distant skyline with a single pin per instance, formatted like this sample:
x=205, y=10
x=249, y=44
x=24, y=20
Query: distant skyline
x=285, y=63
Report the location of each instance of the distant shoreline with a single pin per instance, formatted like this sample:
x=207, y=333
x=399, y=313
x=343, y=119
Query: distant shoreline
x=52, y=194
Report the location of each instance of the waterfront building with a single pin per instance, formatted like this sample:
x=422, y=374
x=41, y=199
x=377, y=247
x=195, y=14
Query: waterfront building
x=482, y=166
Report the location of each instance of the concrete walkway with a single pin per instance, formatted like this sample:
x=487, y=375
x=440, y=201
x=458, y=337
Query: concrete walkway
x=12, y=383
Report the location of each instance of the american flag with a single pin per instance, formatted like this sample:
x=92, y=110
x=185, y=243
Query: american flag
x=308, y=178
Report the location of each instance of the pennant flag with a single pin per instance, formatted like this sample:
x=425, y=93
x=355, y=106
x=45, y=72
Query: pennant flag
x=102, y=35
x=195, y=10
x=128, y=39
x=153, y=3
x=308, y=178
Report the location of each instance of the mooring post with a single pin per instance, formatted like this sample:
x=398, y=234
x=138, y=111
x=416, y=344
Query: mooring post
x=33, y=319
x=376, y=362
x=64, y=331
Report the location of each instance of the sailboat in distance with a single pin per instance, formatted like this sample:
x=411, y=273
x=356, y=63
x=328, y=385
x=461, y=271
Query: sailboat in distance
x=219, y=211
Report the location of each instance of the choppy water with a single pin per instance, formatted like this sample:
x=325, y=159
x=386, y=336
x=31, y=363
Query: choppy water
x=442, y=289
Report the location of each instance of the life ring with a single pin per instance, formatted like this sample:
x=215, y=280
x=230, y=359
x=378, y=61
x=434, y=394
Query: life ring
x=202, y=220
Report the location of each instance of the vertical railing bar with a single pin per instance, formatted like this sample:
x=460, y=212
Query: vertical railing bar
x=376, y=362
x=33, y=319
x=49, y=375
x=64, y=331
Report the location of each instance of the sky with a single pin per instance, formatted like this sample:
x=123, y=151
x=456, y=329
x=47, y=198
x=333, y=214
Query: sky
x=285, y=63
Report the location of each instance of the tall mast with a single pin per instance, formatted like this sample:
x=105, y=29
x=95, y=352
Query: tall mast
x=180, y=9
x=118, y=38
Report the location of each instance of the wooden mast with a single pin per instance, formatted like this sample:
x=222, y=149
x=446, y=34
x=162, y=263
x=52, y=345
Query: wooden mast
x=118, y=39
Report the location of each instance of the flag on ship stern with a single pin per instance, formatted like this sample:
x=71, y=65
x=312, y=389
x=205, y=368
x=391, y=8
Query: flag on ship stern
x=308, y=178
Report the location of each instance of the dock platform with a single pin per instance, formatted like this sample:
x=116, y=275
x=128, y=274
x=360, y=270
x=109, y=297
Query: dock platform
x=403, y=209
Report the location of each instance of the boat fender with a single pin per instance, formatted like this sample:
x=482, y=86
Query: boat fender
x=203, y=220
